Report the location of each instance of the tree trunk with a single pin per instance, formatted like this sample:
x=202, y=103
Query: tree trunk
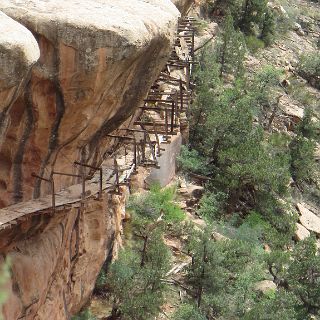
x=200, y=289
x=144, y=251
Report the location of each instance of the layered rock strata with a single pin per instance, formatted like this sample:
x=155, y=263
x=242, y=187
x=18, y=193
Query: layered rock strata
x=56, y=259
x=97, y=61
x=18, y=53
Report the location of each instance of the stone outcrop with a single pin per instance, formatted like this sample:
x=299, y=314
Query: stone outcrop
x=301, y=232
x=55, y=259
x=308, y=219
x=265, y=286
x=97, y=62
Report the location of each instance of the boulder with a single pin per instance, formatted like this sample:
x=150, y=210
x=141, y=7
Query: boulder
x=195, y=191
x=265, y=286
x=218, y=236
x=295, y=111
x=301, y=232
x=308, y=219
x=298, y=29
x=98, y=61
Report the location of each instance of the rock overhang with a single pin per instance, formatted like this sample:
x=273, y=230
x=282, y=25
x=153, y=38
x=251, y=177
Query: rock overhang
x=18, y=51
x=94, y=24
x=98, y=59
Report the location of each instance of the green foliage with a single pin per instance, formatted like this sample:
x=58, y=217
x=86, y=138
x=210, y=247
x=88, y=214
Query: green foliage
x=228, y=291
x=302, y=155
x=253, y=14
x=102, y=279
x=84, y=315
x=300, y=92
x=157, y=203
x=237, y=154
x=138, y=290
x=302, y=148
x=267, y=78
x=307, y=127
x=268, y=27
x=230, y=49
x=309, y=68
x=248, y=15
x=4, y=276
x=279, y=306
x=188, y=312
x=136, y=278
x=304, y=275
x=211, y=206
x=254, y=44
x=249, y=171
x=280, y=218
x=191, y=161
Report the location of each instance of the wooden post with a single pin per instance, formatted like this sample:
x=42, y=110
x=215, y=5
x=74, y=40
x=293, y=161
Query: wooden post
x=135, y=154
x=172, y=116
x=166, y=123
x=101, y=183
x=51, y=181
x=143, y=147
x=157, y=139
x=83, y=194
x=181, y=94
x=117, y=174
x=188, y=76
x=94, y=168
x=53, y=195
x=192, y=45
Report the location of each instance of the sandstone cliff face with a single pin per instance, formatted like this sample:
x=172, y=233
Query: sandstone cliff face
x=97, y=62
x=56, y=259
x=18, y=52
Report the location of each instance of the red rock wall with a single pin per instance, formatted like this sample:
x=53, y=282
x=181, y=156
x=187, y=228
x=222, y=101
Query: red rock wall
x=56, y=259
x=95, y=69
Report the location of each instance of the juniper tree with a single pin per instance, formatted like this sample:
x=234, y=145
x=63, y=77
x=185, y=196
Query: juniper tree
x=187, y=312
x=304, y=277
x=138, y=290
x=252, y=13
x=268, y=27
x=302, y=149
x=222, y=275
x=230, y=49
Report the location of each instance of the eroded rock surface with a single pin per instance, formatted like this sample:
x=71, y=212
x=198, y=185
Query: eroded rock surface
x=18, y=53
x=308, y=219
x=56, y=259
x=301, y=232
x=98, y=61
